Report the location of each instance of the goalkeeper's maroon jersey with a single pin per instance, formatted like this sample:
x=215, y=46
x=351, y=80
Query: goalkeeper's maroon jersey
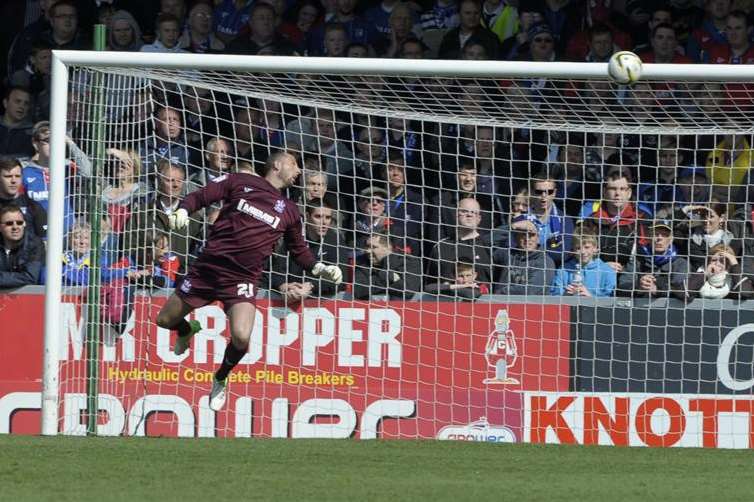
x=253, y=217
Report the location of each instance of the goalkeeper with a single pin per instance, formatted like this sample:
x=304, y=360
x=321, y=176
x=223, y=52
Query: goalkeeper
x=253, y=217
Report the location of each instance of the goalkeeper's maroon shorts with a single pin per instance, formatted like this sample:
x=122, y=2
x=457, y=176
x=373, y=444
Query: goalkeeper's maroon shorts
x=197, y=292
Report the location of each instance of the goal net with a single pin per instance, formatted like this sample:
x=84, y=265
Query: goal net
x=527, y=257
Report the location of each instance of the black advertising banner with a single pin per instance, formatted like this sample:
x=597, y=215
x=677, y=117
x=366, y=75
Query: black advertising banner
x=666, y=349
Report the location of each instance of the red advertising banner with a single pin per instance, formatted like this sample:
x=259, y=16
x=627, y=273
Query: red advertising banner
x=690, y=420
x=330, y=369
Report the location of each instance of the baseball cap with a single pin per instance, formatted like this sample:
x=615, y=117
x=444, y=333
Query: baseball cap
x=537, y=29
x=374, y=191
x=662, y=224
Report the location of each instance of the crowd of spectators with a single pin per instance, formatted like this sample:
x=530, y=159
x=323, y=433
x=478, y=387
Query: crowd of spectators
x=409, y=208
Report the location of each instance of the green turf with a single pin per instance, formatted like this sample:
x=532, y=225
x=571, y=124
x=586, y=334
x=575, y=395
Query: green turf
x=34, y=468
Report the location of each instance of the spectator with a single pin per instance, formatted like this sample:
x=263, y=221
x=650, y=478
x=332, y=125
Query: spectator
x=231, y=18
x=601, y=44
x=370, y=152
x=737, y=49
x=441, y=213
x=711, y=32
x=729, y=167
x=15, y=127
x=10, y=193
x=405, y=205
x=664, y=47
x=125, y=189
x=660, y=14
x=21, y=46
x=442, y=15
x=288, y=278
x=585, y=274
x=575, y=182
x=719, y=277
x=175, y=8
x=198, y=37
x=541, y=45
x=169, y=142
x=35, y=77
x=218, y=158
x=616, y=220
x=61, y=33
x=262, y=37
x=200, y=120
x=306, y=16
x=383, y=273
x=519, y=43
x=659, y=196
x=335, y=153
x=655, y=270
x=519, y=204
x=358, y=50
x=401, y=24
x=471, y=244
x=35, y=176
x=708, y=224
x=379, y=16
x=23, y=252
x=555, y=229
x=152, y=213
x=163, y=265
x=355, y=28
x=335, y=40
x=470, y=13
x=501, y=18
x=463, y=287
x=124, y=33
x=526, y=270
x=168, y=35
x=372, y=217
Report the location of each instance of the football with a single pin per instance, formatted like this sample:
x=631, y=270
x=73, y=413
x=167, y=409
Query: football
x=624, y=67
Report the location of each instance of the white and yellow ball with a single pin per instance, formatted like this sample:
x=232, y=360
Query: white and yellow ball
x=624, y=67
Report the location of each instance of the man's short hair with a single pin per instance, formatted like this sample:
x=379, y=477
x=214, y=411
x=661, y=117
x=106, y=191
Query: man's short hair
x=10, y=208
x=12, y=88
x=618, y=172
x=8, y=163
x=317, y=203
x=581, y=238
x=335, y=26
x=259, y=6
x=165, y=17
x=464, y=266
x=263, y=169
x=245, y=167
x=311, y=173
x=412, y=40
x=62, y=3
x=662, y=26
x=739, y=14
x=599, y=29
x=163, y=165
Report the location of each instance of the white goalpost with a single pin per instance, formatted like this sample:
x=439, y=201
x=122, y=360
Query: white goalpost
x=381, y=363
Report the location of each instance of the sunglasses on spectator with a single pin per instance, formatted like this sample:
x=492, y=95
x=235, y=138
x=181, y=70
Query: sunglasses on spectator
x=540, y=191
x=11, y=223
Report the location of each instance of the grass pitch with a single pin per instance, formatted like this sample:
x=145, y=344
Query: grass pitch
x=133, y=469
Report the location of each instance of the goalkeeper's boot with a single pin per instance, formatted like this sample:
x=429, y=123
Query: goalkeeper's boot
x=217, y=394
x=182, y=343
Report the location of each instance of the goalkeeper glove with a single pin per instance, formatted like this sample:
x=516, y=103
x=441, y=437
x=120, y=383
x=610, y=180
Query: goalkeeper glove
x=329, y=272
x=178, y=219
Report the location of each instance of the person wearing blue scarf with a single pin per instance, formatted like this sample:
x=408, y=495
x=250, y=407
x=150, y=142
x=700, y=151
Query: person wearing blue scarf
x=555, y=229
x=655, y=270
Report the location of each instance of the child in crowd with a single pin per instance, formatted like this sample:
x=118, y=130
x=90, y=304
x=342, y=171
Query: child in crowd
x=585, y=274
x=464, y=287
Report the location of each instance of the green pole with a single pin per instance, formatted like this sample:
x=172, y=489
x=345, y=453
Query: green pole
x=95, y=216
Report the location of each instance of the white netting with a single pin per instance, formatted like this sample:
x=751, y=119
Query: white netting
x=465, y=333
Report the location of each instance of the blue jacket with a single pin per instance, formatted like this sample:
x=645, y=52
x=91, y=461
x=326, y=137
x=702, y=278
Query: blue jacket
x=76, y=270
x=598, y=277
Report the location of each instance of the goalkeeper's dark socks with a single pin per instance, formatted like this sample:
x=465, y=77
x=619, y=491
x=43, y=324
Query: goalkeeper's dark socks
x=230, y=360
x=183, y=328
